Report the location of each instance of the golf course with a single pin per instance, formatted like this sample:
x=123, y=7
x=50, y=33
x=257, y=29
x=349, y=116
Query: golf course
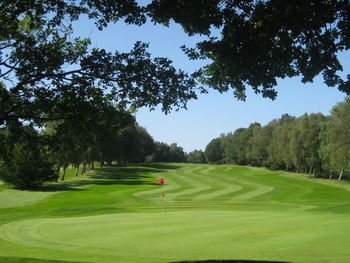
x=202, y=213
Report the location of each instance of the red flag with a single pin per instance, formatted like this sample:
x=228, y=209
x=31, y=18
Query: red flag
x=160, y=181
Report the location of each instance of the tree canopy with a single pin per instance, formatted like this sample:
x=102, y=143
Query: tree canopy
x=312, y=143
x=46, y=71
x=261, y=41
x=249, y=43
x=49, y=74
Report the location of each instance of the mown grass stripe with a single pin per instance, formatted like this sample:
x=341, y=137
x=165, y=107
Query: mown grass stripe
x=118, y=215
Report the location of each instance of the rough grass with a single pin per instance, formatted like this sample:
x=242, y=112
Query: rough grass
x=210, y=214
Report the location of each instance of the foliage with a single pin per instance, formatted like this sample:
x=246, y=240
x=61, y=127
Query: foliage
x=310, y=143
x=136, y=144
x=196, y=157
x=260, y=41
x=279, y=152
x=234, y=146
x=27, y=166
x=335, y=144
x=48, y=74
x=47, y=71
x=214, y=151
x=168, y=153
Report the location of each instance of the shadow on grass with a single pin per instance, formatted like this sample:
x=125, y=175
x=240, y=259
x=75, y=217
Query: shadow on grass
x=139, y=174
x=31, y=260
x=230, y=261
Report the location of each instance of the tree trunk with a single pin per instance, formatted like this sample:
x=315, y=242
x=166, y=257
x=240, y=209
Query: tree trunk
x=83, y=171
x=310, y=171
x=89, y=167
x=314, y=173
x=77, y=169
x=341, y=174
x=58, y=172
x=330, y=176
x=64, y=172
x=92, y=166
x=101, y=164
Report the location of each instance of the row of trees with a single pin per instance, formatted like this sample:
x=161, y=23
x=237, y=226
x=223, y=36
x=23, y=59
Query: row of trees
x=58, y=93
x=30, y=156
x=168, y=153
x=310, y=143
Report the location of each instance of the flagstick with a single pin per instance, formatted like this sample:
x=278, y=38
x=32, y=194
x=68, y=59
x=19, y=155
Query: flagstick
x=164, y=198
x=166, y=208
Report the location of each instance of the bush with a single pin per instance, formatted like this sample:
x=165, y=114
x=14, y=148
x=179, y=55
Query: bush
x=27, y=166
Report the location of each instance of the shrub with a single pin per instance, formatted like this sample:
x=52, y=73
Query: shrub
x=27, y=166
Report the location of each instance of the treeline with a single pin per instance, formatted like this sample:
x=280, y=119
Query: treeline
x=30, y=155
x=311, y=143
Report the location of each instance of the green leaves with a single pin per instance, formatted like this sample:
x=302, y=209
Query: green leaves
x=25, y=163
x=40, y=59
x=261, y=41
x=248, y=43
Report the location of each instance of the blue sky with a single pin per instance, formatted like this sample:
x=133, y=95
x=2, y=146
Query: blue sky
x=213, y=113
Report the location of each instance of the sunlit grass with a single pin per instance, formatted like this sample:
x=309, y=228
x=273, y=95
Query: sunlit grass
x=209, y=213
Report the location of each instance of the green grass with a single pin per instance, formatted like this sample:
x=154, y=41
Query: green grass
x=211, y=214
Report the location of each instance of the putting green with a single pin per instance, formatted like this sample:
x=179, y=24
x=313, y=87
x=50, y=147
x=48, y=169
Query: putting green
x=209, y=213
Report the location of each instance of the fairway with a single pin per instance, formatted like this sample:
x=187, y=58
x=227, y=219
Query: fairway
x=208, y=213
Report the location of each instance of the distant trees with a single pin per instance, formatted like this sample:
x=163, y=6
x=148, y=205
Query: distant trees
x=136, y=144
x=214, y=152
x=196, y=157
x=310, y=143
x=168, y=153
x=335, y=146
x=278, y=143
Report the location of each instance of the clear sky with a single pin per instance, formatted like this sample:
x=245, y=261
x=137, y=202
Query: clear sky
x=214, y=113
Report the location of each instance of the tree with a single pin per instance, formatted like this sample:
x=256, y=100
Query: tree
x=162, y=152
x=312, y=142
x=26, y=163
x=168, y=153
x=177, y=153
x=279, y=148
x=335, y=148
x=297, y=146
x=196, y=157
x=96, y=138
x=257, y=143
x=305, y=143
x=147, y=142
x=259, y=42
x=136, y=144
x=40, y=60
x=235, y=146
x=214, y=151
